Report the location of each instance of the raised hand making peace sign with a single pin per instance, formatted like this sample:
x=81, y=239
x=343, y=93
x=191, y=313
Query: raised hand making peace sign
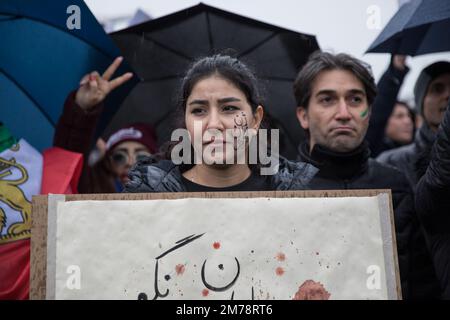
x=94, y=88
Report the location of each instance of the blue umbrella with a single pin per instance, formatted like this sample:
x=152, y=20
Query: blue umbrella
x=418, y=27
x=42, y=60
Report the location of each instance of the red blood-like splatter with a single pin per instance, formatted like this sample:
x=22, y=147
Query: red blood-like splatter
x=281, y=256
x=179, y=268
x=205, y=292
x=311, y=290
x=279, y=271
x=216, y=245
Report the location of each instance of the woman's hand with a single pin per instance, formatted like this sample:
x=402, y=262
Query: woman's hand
x=94, y=88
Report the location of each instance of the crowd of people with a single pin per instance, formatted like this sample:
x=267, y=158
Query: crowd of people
x=358, y=136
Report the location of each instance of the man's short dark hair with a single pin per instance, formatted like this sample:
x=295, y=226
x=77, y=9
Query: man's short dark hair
x=325, y=61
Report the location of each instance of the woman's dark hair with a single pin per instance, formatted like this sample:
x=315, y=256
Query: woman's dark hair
x=227, y=67
x=324, y=61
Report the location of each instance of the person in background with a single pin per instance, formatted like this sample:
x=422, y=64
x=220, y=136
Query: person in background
x=400, y=127
x=384, y=104
x=431, y=94
x=105, y=170
x=123, y=149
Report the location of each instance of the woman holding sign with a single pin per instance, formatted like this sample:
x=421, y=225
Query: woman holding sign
x=220, y=145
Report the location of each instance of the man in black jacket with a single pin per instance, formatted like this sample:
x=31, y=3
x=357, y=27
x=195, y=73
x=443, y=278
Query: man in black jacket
x=433, y=203
x=431, y=98
x=334, y=95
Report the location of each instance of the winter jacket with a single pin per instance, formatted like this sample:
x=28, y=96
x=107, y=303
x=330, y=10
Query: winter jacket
x=355, y=170
x=412, y=159
x=164, y=176
x=433, y=204
x=75, y=128
x=75, y=132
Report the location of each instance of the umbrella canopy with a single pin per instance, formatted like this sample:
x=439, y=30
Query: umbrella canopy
x=162, y=49
x=418, y=27
x=42, y=60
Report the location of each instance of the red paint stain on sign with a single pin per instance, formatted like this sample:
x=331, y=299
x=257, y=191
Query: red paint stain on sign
x=179, y=268
x=281, y=256
x=279, y=271
x=311, y=290
x=205, y=292
x=216, y=245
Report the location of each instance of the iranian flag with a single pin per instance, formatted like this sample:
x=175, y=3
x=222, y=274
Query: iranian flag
x=25, y=172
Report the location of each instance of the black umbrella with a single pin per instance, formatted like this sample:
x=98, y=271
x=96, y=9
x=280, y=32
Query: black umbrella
x=161, y=50
x=418, y=27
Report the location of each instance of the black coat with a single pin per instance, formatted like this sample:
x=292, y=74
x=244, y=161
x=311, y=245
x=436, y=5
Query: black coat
x=433, y=204
x=388, y=88
x=412, y=159
x=355, y=170
x=164, y=176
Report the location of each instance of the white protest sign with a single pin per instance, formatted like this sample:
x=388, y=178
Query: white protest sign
x=231, y=248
